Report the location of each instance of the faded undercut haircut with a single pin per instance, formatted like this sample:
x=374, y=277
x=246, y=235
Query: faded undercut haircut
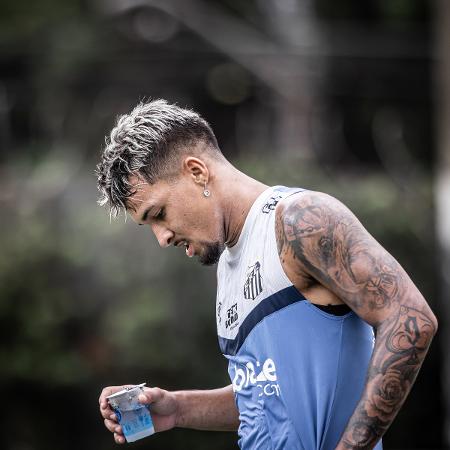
x=149, y=142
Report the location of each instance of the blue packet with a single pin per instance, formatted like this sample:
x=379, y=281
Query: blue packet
x=135, y=418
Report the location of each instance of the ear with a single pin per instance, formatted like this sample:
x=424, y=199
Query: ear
x=196, y=169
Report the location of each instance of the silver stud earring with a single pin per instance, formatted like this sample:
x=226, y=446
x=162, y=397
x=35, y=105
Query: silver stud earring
x=206, y=192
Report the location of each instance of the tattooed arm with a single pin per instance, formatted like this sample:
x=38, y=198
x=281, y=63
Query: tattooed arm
x=318, y=235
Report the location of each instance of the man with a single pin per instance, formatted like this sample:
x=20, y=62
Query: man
x=301, y=288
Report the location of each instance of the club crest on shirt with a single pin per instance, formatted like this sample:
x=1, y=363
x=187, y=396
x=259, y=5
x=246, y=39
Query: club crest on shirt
x=253, y=284
x=271, y=204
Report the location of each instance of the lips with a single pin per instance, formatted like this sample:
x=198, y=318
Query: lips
x=189, y=248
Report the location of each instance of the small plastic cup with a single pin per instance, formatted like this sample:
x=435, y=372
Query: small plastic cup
x=134, y=417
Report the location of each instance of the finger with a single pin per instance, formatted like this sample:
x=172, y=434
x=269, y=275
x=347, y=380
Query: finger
x=111, y=390
x=119, y=438
x=105, y=392
x=151, y=395
x=112, y=426
x=107, y=413
x=104, y=404
x=102, y=400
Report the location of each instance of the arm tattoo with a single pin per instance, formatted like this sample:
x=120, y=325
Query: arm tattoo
x=402, y=345
x=332, y=245
x=323, y=237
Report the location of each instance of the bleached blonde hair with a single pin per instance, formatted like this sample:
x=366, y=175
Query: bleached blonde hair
x=148, y=142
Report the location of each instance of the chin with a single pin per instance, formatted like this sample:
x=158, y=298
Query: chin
x=211, y=253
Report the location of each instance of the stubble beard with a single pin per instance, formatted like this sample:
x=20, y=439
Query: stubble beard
x=211, y=253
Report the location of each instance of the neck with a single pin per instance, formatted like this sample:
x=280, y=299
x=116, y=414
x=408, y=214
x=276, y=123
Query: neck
x=240, y=192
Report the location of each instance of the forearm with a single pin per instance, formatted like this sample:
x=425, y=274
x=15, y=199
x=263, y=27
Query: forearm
x=318, y=235
x=400, y=348
x=213, y=410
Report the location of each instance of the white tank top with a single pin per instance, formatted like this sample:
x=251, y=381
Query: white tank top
x=297, y=371
x=251, y=271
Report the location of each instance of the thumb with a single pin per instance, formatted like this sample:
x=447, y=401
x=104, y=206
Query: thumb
x=150, y=395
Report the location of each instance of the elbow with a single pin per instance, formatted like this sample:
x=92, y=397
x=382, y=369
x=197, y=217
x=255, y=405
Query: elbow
x=426, y=320
x=429, y=327
x=432, y=319
x=435, y=323
x=426, y=324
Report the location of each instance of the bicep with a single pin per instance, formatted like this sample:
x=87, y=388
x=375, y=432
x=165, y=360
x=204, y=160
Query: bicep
x=320, y=234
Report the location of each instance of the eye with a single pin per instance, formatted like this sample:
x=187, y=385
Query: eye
x=160, y=215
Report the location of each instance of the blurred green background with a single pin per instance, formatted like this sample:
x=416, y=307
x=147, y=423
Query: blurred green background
x=332, y=95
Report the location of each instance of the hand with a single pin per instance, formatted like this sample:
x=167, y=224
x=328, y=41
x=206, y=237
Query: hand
x=163, y=409
x=108, y=414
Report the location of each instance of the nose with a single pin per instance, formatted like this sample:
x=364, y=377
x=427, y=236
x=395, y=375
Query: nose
x=163, y=234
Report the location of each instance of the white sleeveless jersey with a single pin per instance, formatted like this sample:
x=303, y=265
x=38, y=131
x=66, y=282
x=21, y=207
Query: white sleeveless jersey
x=250, y=271
x=297, y=371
